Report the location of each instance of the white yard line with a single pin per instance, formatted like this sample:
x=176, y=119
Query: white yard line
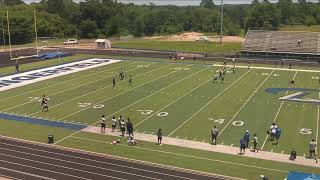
x=185, y=122
x=91, y=92
x=270, y=68
x=106, y=100
x=248, y=100
x=155, y=93
x=68, y=89
x=278, y=112
x=78, y=77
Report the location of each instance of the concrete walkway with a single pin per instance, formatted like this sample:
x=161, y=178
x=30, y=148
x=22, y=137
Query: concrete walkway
x=214, y=148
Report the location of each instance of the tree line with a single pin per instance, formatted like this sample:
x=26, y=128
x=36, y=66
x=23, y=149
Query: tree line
x=105, y=18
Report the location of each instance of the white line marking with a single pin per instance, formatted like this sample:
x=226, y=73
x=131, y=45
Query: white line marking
x=68, y=89
x=91, y=160
x=40, y=162
x=113, y=157
x=188, y=156
x=275, y=118
x=134, y=102
x=245, y=103
x=25, y=173
x=104, y=100
x=225, y=89
x=156, y=92
x=78, y=77
x=172, y=102
x=55, y=172
x=269, y=68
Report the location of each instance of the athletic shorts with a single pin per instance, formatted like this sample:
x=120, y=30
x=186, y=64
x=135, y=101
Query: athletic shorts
x=113, y=126
x=103, y=125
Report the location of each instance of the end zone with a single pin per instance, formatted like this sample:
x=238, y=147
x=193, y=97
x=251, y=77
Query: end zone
x=22, y=79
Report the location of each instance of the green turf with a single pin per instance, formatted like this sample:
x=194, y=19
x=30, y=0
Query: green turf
x=185, y=46
x=182, y=100
x=217, y=163
x=31, y=132
x=41, y=64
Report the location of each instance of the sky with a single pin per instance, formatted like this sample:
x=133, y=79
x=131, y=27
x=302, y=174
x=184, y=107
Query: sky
x=178, y=2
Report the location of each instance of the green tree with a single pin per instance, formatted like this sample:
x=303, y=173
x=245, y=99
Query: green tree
x=287, y=9
x=88, y=29
x=263, y=16
x=207, y=4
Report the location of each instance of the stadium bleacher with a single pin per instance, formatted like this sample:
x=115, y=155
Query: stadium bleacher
x=282, y=43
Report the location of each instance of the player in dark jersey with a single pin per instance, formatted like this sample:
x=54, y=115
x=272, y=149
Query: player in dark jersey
x=220, y=74
x=113, y=82
x=224, y=71
x=215, y=78
x=44, y=103
x=234, y=69
x=130, y=80
x=222, y=79
x=225, y=63
x=291, y=83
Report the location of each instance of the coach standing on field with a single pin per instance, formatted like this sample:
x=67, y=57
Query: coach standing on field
x=130, y=127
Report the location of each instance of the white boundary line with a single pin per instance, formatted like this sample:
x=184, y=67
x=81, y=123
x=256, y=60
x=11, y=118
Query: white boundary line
x=91, y=160
x=24, y=173
x=118, y=158
x=104, y=100
x=107, y=100
x=68, y=89
x=248, y=100
x=42, y=169
x=186, y=121
x=276, y=116
x=155, y=93
x=172, y=102
x=91, y=92
x=73, y=169
x=183, y=155
x=270, y=68
x=78, y=77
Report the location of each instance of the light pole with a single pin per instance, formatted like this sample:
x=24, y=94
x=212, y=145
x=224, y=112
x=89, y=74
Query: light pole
x=221, y=21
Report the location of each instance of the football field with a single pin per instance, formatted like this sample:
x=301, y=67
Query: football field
x=182, y=100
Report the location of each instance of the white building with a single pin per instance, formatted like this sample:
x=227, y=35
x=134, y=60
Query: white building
x=103, y=43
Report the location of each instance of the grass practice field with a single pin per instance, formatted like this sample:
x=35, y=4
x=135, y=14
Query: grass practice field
x=184, y=46
x=179, y=98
